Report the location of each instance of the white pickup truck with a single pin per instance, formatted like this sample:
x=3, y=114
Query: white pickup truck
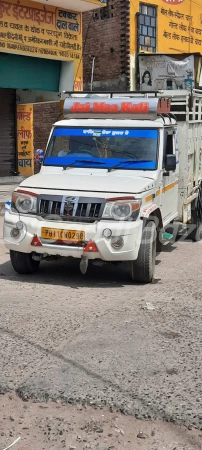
x=117, y=170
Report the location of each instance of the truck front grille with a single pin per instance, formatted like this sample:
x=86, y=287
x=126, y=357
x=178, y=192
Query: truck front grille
x=70, y=208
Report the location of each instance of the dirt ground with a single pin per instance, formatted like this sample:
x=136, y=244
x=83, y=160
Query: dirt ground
x=67, y=341
x=53, y=425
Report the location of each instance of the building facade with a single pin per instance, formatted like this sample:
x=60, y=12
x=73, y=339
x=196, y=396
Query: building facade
x=171, y=27
x=106, y=40
x=40, y=57
x=116, y=35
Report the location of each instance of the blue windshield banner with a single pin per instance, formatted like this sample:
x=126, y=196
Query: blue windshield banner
x=107, y=132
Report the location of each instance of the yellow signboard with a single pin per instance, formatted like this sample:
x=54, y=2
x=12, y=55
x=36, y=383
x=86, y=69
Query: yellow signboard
x=25, y=140
x=178, y=26
x=181, y=27
x=34, y=29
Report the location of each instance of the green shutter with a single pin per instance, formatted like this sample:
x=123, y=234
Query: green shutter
x=25, y=72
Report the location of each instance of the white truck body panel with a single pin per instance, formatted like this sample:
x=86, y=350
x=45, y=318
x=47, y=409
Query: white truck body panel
x=190, y=153
x=91, y=181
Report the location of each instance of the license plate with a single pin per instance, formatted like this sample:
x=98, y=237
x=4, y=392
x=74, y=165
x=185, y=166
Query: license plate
x=63, y=235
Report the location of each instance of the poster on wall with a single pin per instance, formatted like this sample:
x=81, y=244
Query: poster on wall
x=161, y=72
x=25, y=140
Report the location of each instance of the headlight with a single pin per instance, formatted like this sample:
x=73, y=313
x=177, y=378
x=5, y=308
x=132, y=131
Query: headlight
x=24, y=202
x=121, y=210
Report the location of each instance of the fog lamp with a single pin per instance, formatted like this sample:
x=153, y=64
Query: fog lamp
x=117, y=242
x=14, y=233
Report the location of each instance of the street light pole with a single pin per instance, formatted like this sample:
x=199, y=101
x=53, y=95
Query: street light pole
x=92, y=73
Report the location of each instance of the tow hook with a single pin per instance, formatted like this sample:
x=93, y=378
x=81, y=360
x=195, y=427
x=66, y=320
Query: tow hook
x=84, y=264
x=37, y=257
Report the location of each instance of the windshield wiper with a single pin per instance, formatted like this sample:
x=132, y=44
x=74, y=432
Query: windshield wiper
x=91, y=161
x=128, y=162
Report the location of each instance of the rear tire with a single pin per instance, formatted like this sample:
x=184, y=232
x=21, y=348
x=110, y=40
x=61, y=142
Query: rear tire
x=23, y=263
x=195, y=235
x=196, y=218
x=142, y=269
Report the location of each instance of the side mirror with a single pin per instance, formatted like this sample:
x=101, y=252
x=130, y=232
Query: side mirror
x=170, y=163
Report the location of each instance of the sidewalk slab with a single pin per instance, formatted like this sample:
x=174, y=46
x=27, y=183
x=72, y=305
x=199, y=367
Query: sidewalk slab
x=6, y=191
x=11, y=180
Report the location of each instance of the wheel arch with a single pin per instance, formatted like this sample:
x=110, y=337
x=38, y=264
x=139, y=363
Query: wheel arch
x=153, y=213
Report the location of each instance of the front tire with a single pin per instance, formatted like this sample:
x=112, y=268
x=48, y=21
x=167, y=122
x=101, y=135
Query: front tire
x=142, y=269
x=23, y=263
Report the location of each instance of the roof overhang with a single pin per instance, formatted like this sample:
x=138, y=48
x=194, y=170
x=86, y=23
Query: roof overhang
x=75, y=5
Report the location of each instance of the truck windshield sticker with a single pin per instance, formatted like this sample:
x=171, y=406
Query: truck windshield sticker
x=103, y=147
x=63, y=131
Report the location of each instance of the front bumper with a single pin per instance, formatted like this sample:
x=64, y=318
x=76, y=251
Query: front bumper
x=130, y=231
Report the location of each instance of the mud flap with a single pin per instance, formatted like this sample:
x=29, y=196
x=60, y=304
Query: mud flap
x=84, y=265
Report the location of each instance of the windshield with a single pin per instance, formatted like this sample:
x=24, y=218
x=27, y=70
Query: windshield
x=104, y=148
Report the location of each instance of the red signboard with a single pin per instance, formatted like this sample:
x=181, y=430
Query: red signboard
x=105, y=108
x=113, y=106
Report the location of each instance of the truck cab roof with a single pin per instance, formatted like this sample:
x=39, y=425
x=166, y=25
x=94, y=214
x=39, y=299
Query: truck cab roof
x=158, y=123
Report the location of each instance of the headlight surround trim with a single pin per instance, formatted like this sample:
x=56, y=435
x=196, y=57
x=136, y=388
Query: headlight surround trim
x=121, y=210
x=19, y=199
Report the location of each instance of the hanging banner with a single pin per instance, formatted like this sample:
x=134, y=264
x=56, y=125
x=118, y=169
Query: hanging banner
x=161, y=72
x=78, y=85
x=25, y=140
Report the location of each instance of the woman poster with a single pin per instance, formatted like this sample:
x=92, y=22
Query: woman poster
x=146, y=84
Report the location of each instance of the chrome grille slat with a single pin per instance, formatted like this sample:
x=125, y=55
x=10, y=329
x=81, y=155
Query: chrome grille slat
x=88, y=210
x=50, y=205
x=71, y=208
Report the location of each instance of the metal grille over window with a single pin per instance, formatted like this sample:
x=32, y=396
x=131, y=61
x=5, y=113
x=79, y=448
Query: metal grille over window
x=70, y=208
x=147, y=28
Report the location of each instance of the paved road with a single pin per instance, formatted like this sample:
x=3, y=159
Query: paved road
x=91, y=338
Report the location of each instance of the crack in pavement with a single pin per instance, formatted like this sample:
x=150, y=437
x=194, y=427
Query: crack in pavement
x=87, y=371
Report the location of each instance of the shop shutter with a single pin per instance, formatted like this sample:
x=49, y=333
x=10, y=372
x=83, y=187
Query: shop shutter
x=7, y=132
